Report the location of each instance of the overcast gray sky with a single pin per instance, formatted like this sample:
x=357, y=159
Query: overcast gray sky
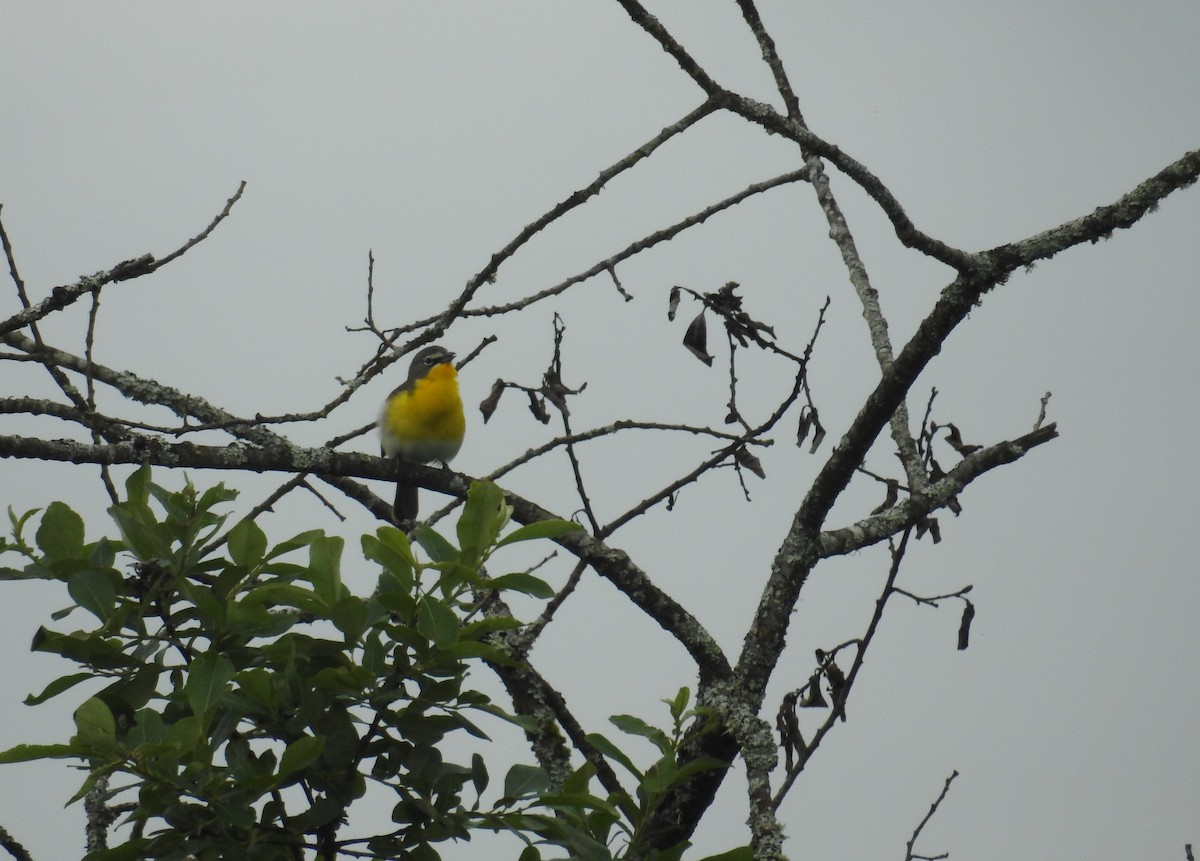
x=431, y=133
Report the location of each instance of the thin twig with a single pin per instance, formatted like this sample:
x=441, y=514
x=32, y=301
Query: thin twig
x=863, y=644
x=908, y=849
x=203, y=234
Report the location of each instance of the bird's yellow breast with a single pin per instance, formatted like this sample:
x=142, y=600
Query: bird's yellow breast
x=425, y=423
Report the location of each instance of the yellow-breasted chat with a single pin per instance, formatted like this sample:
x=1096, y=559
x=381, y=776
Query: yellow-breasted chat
x=422, y=420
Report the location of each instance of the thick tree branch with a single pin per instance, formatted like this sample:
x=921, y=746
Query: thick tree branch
x=802, y=547
x=1099, y=224
x=776, y=123
x=637, y=12
x=907, y=232
x=611, y=563
x=839, y=232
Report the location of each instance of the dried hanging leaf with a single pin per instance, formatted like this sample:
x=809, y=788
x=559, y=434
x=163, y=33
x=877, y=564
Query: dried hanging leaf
x=745, y=459
x=673, y=302
x=489, y=404
x=818, y=433
x=837, y=687
x=804, y=427
x=746, y=329
x=813, y=697
x=788, y=725
x=964, y=627
x=956, y=442
x=696, y=339
x=770, y=330
x=555, y=392
x=538, y=407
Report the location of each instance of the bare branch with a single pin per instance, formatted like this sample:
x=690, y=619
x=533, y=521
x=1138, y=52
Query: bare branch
x=435, y=326
x=839, y=232
x=64, y=295
x=608, y=264
x=804, y=755
x=908, y=849
x=15, y=849
x=1121, y=214
x=901, y=516
x=651, y=25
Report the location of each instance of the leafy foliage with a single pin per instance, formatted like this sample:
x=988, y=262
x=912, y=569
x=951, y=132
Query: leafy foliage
x=247, y=698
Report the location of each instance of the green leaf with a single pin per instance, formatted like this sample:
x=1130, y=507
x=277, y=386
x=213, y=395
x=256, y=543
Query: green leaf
x=669, y=775
x=60, y=535
x=437, y=547
x=525, y=780
x=422, y=852
x=350, y=617
x=389, y=547
x=679, y=703
x=579, y=843
x=580, y=779
x=540, y=529
x=524, y=582
x=481, y=520
x=466, y=649
x=256, y=685
x=325, y=569
x=475, y=630
x=742, y=853
x=148, y=728
x=30, y=752
x=94, y=723
x=213, y=496
x=133, y=850
x=300, y=754
x=614, y=753
x=288, y=595
x=247, y=543
x=18, y=521
x=636, y=726
x=185, y=735
x=571, y=802
x=479, y=774
x=136, y=484
x=436, y=622
x=95, y=590
x=304, y=539
x=140, y=531
x=130, y=693
x=88, y=649
x=210, y=609
x=208, y=676
x=56, y=687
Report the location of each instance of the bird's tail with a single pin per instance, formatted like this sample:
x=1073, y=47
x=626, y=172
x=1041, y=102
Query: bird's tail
x=405, y=506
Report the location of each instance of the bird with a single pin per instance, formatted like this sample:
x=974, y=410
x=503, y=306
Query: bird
x=422, y=421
